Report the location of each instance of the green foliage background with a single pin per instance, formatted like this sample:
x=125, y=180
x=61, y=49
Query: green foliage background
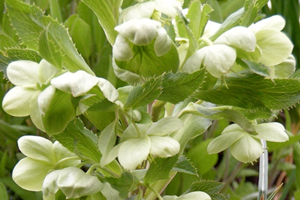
x=240, y=179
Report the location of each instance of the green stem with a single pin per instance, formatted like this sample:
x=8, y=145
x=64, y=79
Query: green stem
x=155, y=192
x=263, y=173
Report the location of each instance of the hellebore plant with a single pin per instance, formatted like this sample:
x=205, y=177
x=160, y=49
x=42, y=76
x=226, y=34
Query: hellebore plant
x=126, y=135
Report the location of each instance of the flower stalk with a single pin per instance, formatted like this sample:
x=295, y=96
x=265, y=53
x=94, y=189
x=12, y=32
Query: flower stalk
x=263, y=173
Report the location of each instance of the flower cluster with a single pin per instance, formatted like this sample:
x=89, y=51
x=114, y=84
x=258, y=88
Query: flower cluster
x=261, y=43
x=246, y=146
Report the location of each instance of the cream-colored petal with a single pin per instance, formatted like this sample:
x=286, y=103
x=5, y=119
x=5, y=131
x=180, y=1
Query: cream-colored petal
x=36, y=147
x=137, y=11
x=139, y=31
x=77, y=83
x=29, y=174
x=46, y=72
x=50, y=184
x=224, y=141
x=164, y=146
x=17, y=101
x=275, y=22
x=163, y=43
x=218, y=59
x=165, y=126
x=133, y=152
x=197, y=195
x=23, y=73
x=247, y=149
x=108, y=90
x=273, y=132
x=275, y=46
x=45, y=98
x=74, y=183
x=238, y=37
x=121, y=49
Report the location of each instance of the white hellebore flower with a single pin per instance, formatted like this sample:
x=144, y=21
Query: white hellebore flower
x=42, y=157
x=246, y=147
x=73, y=182
x=140, y=32
x=31, y=79
x=147, y=9
x=219, y=57
x=273, y=45
x=197, y=195
x=141, y=139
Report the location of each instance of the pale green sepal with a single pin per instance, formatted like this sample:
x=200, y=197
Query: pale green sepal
x=64, y=157
x=49, y=185
x=224, y=141
x=193, y=63
x=275, y=46
x=107, y=140
x=164, y=146
x=275, y=22
x=108, y=90
x=132, y=152
x=218, y=59
x=109, y=192
x=74, y=183
x=139, y=31
x=251, y=56
x=238, y=37
x=29, y=173
x=138, y=11
x=46, y=71
x=23, y=73
x=121, y=49
x=37, y=148
x=36, y=114
x=105, y=160
x=77, y=83
x=163, y=43
x=211, y=28
x=168, y=7
x=17, y=101
x=165, y=126
x=247, y=149
x=197, y=195
x=286, y=68
x=168, y=197
x=45, y=98
x=273, y=132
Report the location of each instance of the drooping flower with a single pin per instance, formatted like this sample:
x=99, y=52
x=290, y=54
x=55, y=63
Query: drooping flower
x=140, y=140
x=148, y=8
x=72, y=181
x=42, y=157
x=219, y=56
x=31, y=79
x=197, y=195
x=273, y=45
x=244, y=146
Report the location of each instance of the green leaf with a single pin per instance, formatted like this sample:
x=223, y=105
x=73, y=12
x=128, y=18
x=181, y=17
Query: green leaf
x=160, y=169
x=49, y=51
x=60, y=112
x=6, y=41
x=198, y=16
x=144, y=94
x=29, y=22
x=9, y=132
x=185, y=166
x=3, y=193
x=177, y=87
x=251, y=7
x=76, y=138
x=252, y=91
x=218, y=196
x=81, y=34
x=55, y=10
x=199, y=156
x=13, y=54
x=107, y=12
x=125, y=184
x=210, y=187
